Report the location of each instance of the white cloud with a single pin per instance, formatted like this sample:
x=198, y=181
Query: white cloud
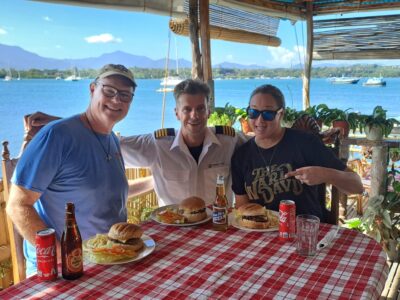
x=282, y=57
x=229, y=57
x=47, y=19
x=102, y=38
x=58, y=46
x=3, y=31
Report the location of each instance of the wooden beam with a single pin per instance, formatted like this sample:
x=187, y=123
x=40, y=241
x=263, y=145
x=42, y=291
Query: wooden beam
x=206, y=47
x=309, y=56
x=197, y=72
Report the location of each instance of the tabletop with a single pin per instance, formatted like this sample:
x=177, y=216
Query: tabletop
x=199, y=263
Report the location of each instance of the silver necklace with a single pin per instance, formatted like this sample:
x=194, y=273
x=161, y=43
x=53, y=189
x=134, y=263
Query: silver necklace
x=108, y=153
x=262, y=157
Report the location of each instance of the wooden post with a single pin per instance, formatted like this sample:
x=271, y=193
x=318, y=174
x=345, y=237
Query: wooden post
x=379, y=170
x=206, y=48
x=309, y=56
x=197, y=72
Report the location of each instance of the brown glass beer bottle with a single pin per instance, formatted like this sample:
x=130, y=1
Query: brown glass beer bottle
x=220, y=206
x=71, y=246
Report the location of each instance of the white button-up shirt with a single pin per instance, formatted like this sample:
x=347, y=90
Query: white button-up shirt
x=176, y=173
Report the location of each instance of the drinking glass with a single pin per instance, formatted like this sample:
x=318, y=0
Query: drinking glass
x=307, y=227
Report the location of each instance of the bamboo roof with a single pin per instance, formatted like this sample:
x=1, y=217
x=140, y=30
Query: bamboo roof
x=357, y=38
x=288, y=9
x=374, y=42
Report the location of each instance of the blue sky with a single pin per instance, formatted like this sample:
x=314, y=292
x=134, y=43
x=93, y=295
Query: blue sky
x=61, y=31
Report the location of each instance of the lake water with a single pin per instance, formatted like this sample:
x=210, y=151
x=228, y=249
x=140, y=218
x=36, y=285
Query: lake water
x=63, y=98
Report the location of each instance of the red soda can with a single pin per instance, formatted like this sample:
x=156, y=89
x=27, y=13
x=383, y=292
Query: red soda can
x=46, y=254
x=287, y=220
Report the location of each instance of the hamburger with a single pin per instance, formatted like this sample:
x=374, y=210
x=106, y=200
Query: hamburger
x=254, y=216
x=193, y=209
x=123, y=241
x=126, y=235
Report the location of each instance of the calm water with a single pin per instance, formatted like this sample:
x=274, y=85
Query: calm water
x=62, y=98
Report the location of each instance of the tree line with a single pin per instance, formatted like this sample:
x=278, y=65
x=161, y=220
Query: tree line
x=225, y=73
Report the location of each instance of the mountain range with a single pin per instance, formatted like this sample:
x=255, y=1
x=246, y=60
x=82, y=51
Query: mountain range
x=17, y=58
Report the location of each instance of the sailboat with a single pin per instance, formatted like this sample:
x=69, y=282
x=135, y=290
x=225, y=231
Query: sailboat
x=19, y=76
x=74, y=76
x=171, y=81
x=8, y=77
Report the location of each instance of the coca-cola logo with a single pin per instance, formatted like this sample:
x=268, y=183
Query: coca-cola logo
x=42, y=251
x=283, y=216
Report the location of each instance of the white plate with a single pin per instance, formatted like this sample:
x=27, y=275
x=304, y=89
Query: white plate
x=149, y=246
x=175, y=206
x=233, y=221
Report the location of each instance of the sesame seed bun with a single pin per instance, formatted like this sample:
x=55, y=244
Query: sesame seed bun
x=193, y=209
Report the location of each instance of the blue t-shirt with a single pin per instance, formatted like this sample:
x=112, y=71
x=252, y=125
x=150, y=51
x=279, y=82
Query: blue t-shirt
x=65, y=162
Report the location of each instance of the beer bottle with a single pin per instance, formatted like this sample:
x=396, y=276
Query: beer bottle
x=71, y=246
x=220, y=206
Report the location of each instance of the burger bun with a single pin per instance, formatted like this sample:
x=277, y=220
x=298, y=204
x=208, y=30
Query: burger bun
x=193, y=209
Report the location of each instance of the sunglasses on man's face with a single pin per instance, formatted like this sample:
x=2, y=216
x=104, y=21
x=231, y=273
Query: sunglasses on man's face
x=267, y=115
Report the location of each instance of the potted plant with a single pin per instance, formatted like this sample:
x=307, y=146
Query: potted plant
x=376, y=126
x=317, y=112
x=341, y=118
x=222, y=116
x=289, y=117
x=241, y=116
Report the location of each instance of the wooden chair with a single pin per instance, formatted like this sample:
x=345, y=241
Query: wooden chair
x=309, y=124
x=146, y=201
x=15, y=239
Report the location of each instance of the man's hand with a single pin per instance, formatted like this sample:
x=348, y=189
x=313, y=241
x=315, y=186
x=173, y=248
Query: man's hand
x=309, y=175
x=34, y=122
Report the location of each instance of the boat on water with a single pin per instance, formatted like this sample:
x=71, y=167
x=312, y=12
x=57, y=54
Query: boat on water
x=171, y=81
x=8, y=77
x=166, y=89
x=344, y=80
x=74, y=77
x=375, y=81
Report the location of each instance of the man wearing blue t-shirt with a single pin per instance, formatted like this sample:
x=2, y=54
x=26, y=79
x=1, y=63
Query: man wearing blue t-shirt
x=77, y=159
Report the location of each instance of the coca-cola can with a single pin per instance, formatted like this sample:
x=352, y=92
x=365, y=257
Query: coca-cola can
x=46, y=254
x=287, y=220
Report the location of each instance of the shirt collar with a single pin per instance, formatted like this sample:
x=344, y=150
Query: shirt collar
x=209, y=139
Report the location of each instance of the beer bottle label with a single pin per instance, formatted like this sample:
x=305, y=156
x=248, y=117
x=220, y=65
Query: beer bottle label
x=75, y=261
x=219, y=215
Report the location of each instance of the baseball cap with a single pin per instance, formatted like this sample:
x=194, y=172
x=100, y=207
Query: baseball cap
x=111, y=69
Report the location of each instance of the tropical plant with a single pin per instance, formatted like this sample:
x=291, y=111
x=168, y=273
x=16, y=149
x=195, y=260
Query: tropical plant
x=316, y=111
x=290, y=116
x=378, y=119
x=223, y=116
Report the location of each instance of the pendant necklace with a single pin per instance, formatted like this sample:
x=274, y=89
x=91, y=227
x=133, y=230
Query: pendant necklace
x=108, y=153
x=268, y=167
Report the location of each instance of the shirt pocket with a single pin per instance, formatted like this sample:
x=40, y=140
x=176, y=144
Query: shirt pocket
x=176, y=175
x=211, y=175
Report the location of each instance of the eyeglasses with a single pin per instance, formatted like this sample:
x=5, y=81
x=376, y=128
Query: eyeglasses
x=267, y=115
x=111, y=92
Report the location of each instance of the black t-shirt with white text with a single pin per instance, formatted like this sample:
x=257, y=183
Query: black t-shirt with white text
x=260, y=173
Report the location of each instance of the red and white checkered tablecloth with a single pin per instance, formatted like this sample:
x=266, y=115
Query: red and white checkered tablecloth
x=199, y=263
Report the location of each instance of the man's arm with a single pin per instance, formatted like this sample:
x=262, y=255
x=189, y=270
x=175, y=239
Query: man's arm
x=347, y=181
x=140, y=186
x=241, y=200
x=23, y=215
